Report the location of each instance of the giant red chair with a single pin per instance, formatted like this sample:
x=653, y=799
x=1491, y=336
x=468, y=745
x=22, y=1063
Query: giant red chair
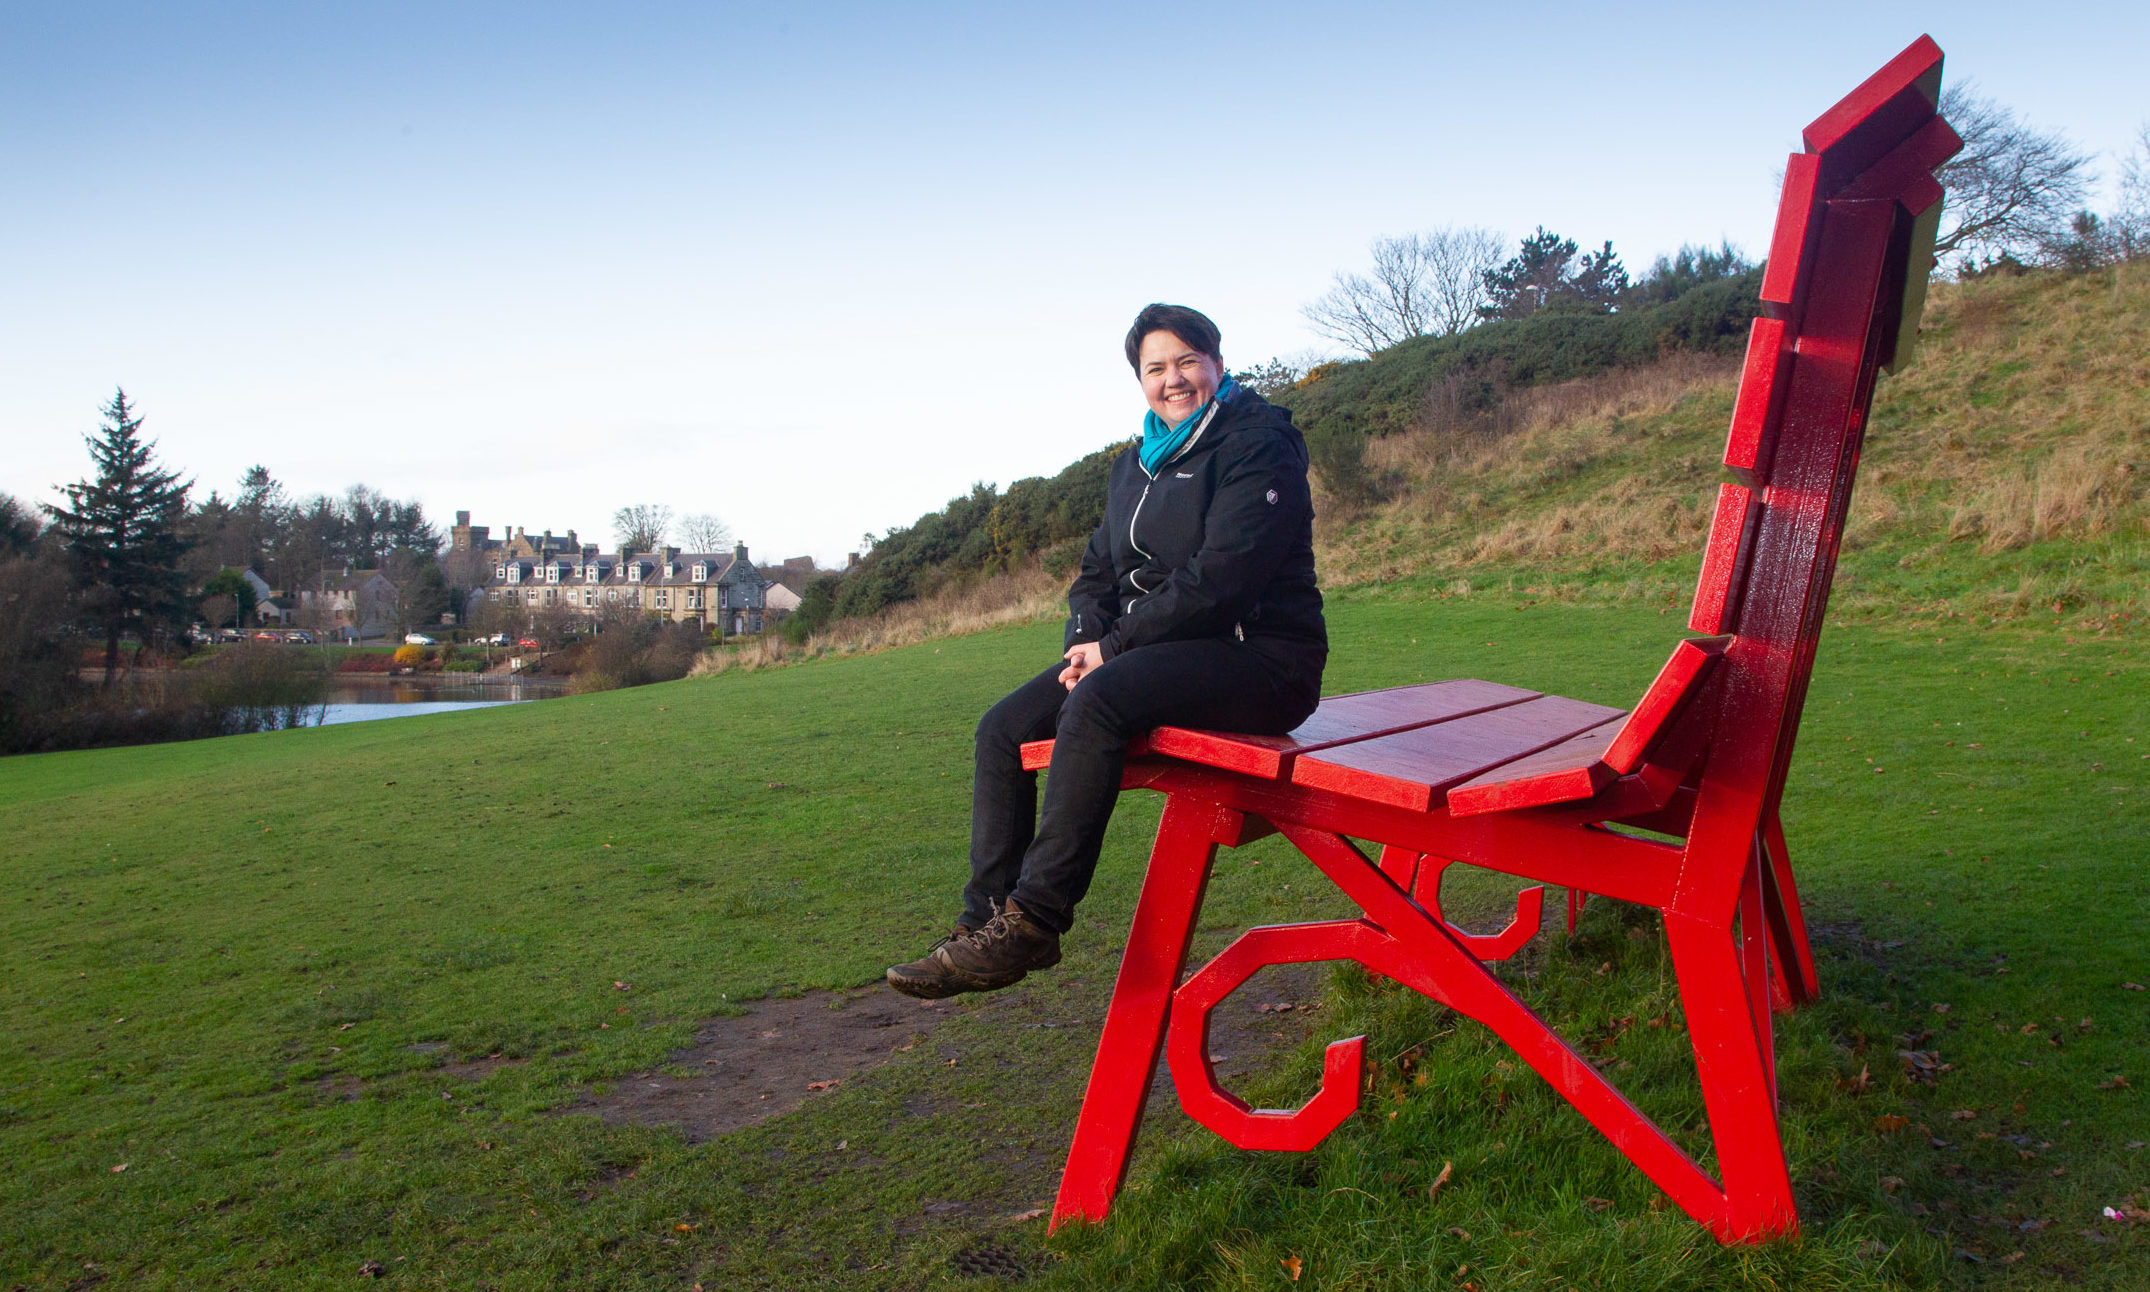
x=1528, y=784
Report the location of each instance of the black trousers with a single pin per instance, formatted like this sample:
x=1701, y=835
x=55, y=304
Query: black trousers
x=1046, y=863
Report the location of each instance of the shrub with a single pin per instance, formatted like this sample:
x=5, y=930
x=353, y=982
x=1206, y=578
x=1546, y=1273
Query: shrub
x=410, y=656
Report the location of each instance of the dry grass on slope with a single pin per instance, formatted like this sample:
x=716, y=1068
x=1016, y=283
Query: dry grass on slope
x=2024, y=423
x=1619, y=463
x=1018, y=596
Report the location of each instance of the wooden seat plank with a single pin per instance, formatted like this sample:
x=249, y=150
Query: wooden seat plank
x=1570, y=771
x=1579, y=767
x=1340, y=719
x=1411, y=769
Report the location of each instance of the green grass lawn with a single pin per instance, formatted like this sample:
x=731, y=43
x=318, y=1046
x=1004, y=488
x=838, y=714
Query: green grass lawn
x=243, y=970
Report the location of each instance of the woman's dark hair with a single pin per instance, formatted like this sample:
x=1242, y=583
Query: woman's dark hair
x=1190, y=326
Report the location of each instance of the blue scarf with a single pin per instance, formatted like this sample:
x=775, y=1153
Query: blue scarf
x=1160, y=442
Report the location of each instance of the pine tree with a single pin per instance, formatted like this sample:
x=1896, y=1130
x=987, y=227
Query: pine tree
x=122, y=531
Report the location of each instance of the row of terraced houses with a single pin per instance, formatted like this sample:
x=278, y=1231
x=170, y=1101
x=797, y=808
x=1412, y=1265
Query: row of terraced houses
x=718, y=589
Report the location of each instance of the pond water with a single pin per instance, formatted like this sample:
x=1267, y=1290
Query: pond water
x=360, y=697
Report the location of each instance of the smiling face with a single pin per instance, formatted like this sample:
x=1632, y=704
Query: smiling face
x=1177, y=379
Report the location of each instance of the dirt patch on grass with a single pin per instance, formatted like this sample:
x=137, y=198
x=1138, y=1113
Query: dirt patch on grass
x=767, y=1061
x=782, y=1052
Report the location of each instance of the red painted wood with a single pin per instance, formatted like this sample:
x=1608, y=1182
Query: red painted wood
x=1791, y=246
x=1573, y=769
x=1724, y=560
x=1341, y=719
x=1675, y=685
x=1194, y=1077
x=1710, y=745
x=1412, y=768
x=1866, y=123
x=1425, y=889
x=1135, y=1023
x=1761, y=391
x=1038, y=754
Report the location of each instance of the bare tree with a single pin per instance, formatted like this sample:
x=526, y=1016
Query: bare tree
x=641, y=528
x=703, y=532
x=2013, y=189
x=2131, y=219
x=1422, y=283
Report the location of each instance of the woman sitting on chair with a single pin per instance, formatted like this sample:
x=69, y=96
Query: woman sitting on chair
x=1196, y=607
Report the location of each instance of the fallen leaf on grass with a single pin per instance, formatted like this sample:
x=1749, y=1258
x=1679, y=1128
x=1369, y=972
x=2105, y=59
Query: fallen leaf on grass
x=824, y=1085
x=1891, y=1183
x=2011, y=1258
x=684, y=1228
x=121, y=1167
x=2117, y=1083
x=617, y=985
x=1291, y=1267
x=1448, y=1169
x=1964, y=1115
x=1462, y=1235
x=1890, y=1123
x=1597, y=1204
x=373, y=1270
x=1025, y=1217
x=2132, y=986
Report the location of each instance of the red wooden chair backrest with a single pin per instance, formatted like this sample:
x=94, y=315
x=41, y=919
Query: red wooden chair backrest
x=1842, y=294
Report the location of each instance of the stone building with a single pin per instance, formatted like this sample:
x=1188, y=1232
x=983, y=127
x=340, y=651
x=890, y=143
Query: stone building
x=715, y=589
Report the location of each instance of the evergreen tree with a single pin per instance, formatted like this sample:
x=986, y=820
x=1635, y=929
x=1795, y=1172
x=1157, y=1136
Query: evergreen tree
x=122, y=532
x=1547, y=273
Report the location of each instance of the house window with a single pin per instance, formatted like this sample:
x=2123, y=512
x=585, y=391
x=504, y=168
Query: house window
x=531, y=596
x=551, y=595
x=552, y=574
x=664, y=599
x=634, y=573
x=500, y=571
x=589, y=596
x=612, y=594
x=634, y=596
x=694, y=598
x=701, y=573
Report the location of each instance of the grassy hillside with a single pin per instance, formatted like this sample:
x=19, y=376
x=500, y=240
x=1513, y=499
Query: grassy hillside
x=2006, y=472
x=329, y=996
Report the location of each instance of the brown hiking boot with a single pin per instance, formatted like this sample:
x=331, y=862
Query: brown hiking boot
x=996, y=956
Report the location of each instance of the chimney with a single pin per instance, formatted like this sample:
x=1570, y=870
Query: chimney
x=739, y=553
x=850, y=559
x=462, y=518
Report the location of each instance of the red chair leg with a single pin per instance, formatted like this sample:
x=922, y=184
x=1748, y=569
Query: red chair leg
x=1141, y=1001
x=1737, y=1084
x=1787, y=923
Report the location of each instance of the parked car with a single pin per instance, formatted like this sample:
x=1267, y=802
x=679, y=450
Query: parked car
x=266, y=636
x=299, y=638
x=529, y=643
x=418, y=639
x=497, y=639
x=230, y=635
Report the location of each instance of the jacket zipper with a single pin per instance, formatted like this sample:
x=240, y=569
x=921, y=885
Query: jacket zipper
x=1135, y=543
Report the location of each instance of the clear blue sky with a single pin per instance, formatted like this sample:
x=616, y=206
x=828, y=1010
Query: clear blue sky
x=817, y=269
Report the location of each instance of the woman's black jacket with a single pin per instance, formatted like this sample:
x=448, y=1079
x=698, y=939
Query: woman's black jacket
x=1220, y=543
